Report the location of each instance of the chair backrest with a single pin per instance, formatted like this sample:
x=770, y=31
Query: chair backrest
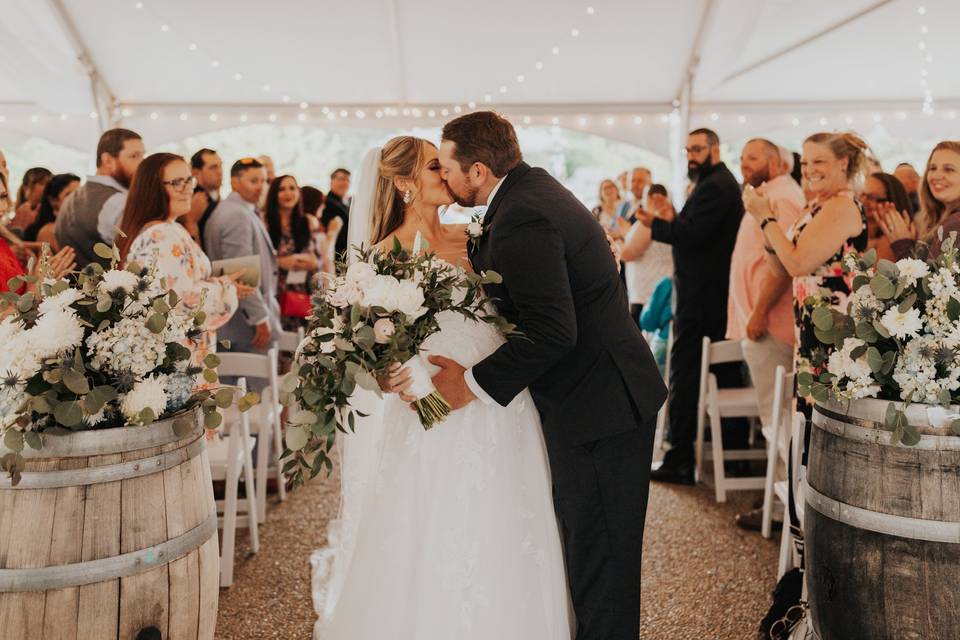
x=723, y=351
x=250, y=365
x=290, y=340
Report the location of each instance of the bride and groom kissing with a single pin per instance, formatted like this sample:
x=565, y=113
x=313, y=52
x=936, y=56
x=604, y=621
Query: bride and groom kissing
x=531, y=496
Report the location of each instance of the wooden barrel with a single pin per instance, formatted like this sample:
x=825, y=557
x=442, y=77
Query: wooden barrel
x=111, y=534
x=882, y=526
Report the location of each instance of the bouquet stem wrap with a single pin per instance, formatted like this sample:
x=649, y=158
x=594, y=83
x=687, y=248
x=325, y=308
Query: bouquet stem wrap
x=430, y=405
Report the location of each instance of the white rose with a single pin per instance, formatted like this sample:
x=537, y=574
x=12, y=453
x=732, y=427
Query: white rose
x=410, y=299
x=340, y=297
x=382, y=291
x=475, y=229
x=383, y=330
x=360, y=273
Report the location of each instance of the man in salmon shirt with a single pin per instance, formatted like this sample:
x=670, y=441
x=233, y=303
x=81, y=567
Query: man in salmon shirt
x=760, y=303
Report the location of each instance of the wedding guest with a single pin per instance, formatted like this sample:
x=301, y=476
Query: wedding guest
x=882, y=192
x=910, y=180
x=92, y=212
x=6, y=203
x=207, y=168
x=656, y=318
x=29, y=196
x=812, y=251
x=646, y=262
x=235, y=230
x=702, y=237
x=291, y=232
x=323, y=248
x=57, y=266
x=640, y=181
x=939, y=206
x=608, y=206
x=270, y=175
x=160, y=195
x=54, y=194
x=336, y=207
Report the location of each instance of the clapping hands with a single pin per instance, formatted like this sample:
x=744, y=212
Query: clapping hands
x=756, y=202
x=896, y=225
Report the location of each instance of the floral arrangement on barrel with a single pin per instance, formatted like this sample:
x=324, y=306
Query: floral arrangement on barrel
x=899, y=339
x=377, y=314
x=105, y=352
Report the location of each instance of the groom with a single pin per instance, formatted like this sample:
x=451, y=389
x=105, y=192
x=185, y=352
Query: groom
x=591, y=374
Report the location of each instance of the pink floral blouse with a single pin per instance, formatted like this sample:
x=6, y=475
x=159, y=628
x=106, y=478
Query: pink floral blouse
x=187, y=270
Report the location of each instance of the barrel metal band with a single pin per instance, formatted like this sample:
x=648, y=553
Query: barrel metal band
x=861, y=430
x=121, y=566
x=106, y=473
x=900, y=526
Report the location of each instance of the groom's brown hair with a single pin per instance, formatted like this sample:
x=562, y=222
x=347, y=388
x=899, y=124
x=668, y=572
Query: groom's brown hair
x=485, y=137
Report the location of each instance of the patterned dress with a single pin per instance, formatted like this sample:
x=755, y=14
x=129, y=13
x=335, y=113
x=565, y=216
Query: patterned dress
x=187, y=270
x=288, y=247
x=827, y=286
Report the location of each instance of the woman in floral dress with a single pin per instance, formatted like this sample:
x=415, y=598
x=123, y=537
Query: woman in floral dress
x=161, y=192
x=812, y=251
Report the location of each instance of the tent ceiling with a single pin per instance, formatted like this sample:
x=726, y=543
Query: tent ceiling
x=772, y=59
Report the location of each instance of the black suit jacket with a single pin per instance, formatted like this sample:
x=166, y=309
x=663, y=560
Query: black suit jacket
x=703, y=235
x=582, y=356
x=334, y=207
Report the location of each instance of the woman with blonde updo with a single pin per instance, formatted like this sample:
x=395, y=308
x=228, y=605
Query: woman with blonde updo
x=939, y=205
x=812, y=252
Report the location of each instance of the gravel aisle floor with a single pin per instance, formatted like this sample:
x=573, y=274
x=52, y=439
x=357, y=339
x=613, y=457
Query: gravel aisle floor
x=703, y=578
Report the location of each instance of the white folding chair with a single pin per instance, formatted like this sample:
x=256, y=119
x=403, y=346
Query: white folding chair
x=714, y=404
x=777, y=437
x=229, y=452
x=788, y=557
x=264, y=418
x=290, y=340
x=663, y=416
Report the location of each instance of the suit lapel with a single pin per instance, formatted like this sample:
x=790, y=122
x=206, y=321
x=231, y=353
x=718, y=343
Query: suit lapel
x=512, y=178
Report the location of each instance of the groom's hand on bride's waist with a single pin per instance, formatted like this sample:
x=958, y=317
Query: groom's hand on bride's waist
x=450, y=382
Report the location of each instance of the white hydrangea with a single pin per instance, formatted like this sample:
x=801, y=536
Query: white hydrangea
x=119, y=279
x=149, y=393
x=178, y=326
x=942, y=284
x=918, y=374
x=902, y=324
x=55, y=333
x=127, y=346
x=854, y=376
x=60, y=301
x=912, y=270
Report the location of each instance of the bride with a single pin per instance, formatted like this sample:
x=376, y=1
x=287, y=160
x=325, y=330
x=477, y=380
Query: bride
x=447, y=533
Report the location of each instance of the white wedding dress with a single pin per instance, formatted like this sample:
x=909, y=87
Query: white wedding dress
x=448, y=533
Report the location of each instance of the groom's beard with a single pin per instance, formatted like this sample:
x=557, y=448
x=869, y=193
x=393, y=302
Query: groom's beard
x=467, y=200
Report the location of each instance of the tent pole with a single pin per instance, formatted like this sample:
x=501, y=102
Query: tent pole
x=103, y=97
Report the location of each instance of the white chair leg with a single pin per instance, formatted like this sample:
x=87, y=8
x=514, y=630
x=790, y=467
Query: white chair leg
x=278, y=449
x=249, y=482
x=773, y=456
x=229, y=513
x=264, y=442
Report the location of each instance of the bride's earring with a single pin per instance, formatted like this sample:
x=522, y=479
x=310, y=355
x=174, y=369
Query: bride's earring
x=406, y=197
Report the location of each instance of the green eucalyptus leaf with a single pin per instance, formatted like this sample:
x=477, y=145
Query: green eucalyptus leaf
x=826, y=337
x=103, y=251
x=955, y=427
x=857, y=353
x=911, y=436
x=805, y=378
x=953, y=309
x=296, y=437
x=880, y=329
x=908, y=303
x=33, y=440
x=823, y=318
x=820, y=392
x=882, y=287
x=888, y=270
x=491, y=277
x=867, y=333
x=210, y=375
x=13, y=440
x=890, y=417
x=182, y=427
x=68, y=414
x=224, y=398
x=157, y=323
x=875, y=360
x=212, y=361
x=212, y=420
x=75, y=382
x=869, y=258
x=147, y=416
x=889, y=360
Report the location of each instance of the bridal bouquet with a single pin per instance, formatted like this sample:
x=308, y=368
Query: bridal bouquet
x=105, y=352
x=377, y=314
x=898, y=340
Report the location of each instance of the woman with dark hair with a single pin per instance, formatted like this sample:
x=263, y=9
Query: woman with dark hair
x=161, y=192
x=881, y=193
x=29, y=196
x=325, y=237
x=939, y=205
x=292, y=235
x=56, y=191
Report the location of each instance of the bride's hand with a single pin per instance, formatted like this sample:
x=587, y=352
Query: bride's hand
x=395, y=380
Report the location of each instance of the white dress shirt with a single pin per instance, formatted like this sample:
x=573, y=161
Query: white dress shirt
x=472, y=384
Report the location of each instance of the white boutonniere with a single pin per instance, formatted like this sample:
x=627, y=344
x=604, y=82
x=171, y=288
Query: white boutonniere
x=475, y=231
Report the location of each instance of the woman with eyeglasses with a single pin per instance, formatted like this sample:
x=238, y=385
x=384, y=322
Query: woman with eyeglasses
x=160, y=193
x=883, y=193
x=939, y=206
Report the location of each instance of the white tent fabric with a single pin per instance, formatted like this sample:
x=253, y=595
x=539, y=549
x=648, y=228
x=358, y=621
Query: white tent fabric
x=617, y=68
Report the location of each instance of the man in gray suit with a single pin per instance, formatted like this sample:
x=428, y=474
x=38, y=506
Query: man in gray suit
x=234, y=230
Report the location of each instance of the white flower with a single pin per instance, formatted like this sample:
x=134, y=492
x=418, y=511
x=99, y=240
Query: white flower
x=10, y=328
x=902, y=324
x=127, y=346
x=95, y=419
x=56, y=332
x=149, y=393
x=360, y=273
x=383, y=329
x=382, y=291
x=912, y=269
x=410, y=299
x=60, y=301
x=119, y=279
x=854, y=377
x=475, y=229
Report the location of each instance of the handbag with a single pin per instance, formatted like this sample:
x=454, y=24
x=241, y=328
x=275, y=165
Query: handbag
x=295, y=304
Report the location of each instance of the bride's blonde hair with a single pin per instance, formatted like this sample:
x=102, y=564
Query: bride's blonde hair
x=401, y=157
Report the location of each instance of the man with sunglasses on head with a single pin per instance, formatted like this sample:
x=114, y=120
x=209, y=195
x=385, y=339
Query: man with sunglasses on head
x=702, y=236
x=234, y=230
